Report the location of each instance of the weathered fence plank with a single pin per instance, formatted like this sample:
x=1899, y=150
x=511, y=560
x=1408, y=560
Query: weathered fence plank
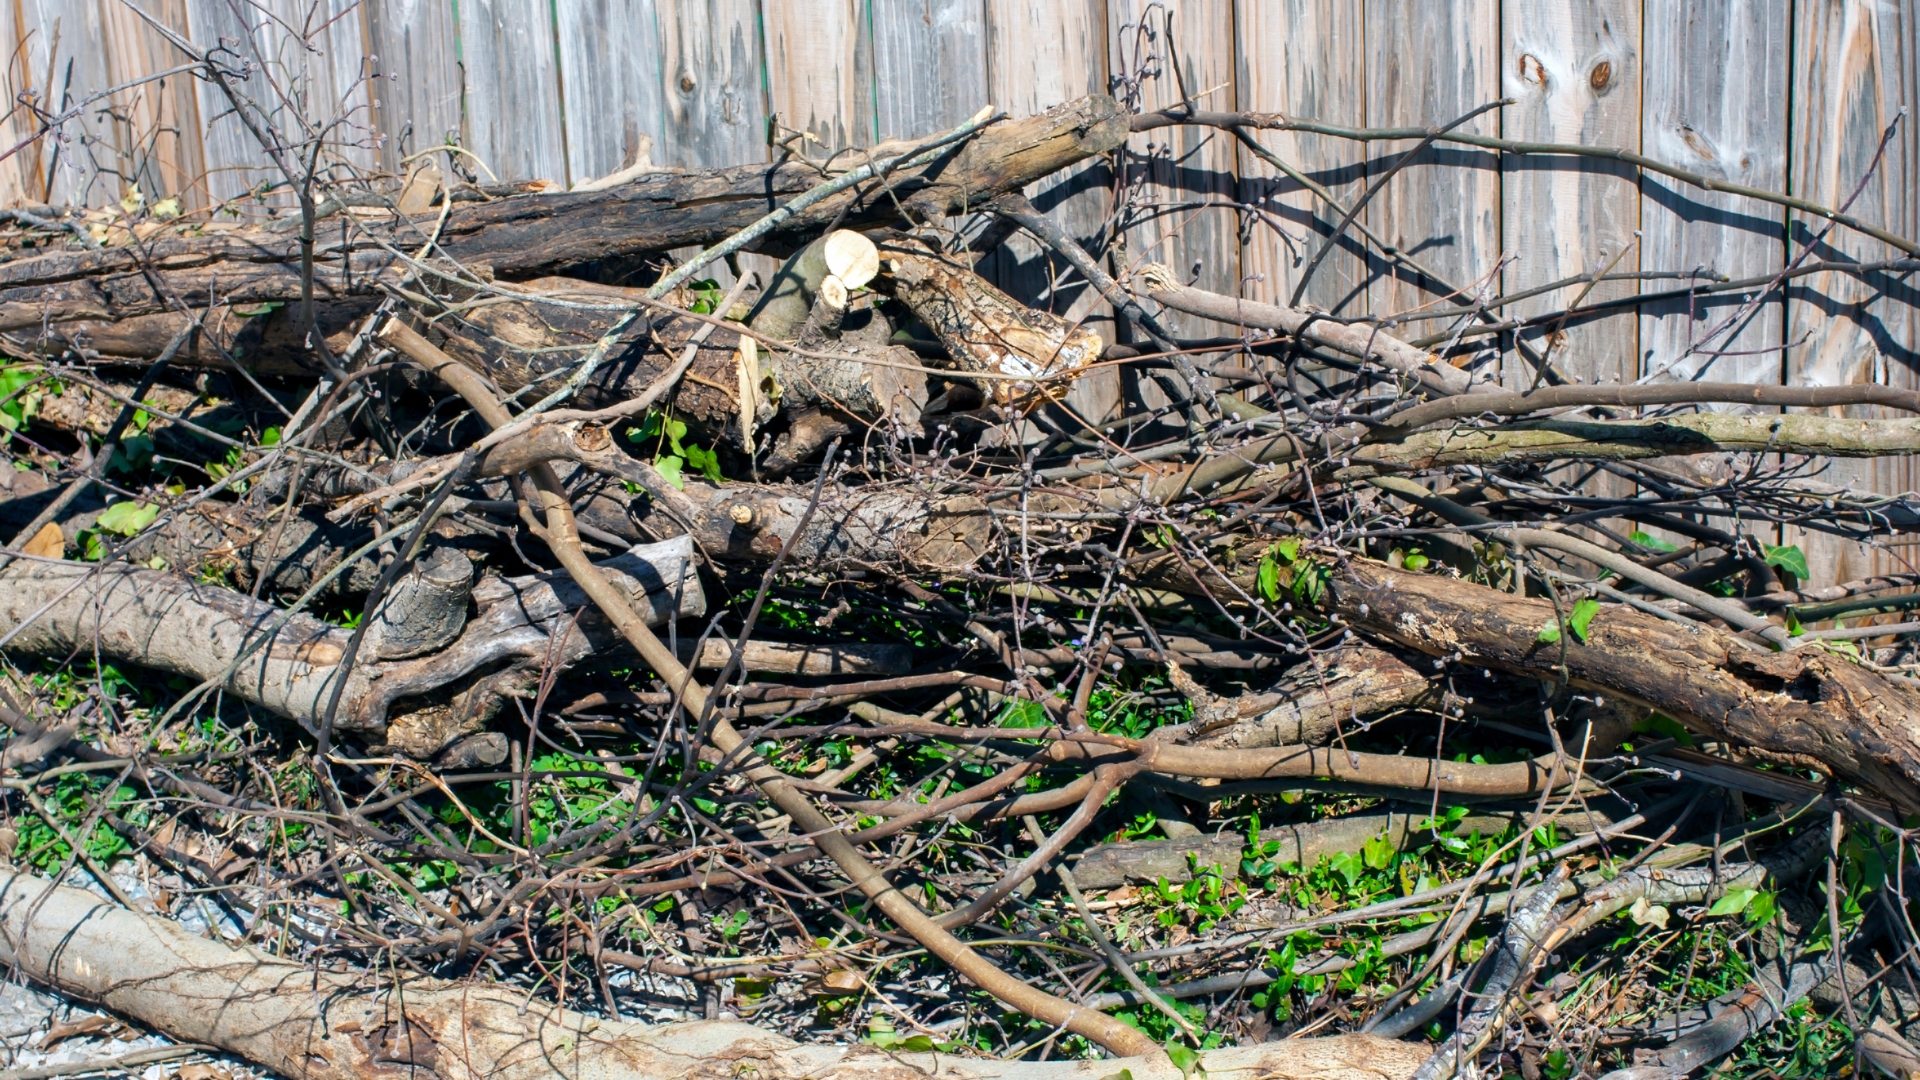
x=1853, y=71
x=1429, y=64
x=614, y=96
x=813, y=72
x=512, y=99
x=418, y=92
x=1573, y=70
x=716, y=113
x=1302, y=58
x=1715, y=103
x=929, y=66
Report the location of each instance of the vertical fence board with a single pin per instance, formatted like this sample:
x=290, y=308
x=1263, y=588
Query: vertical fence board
x=418, y=91
x=929, y=65
x=812, y=72
x=1427, y=64
x=159, y=129
x=1038, y=56
x=715, y=111
x=1302, y=58
x=1716, y=104
x=512, y=88
x=1183, y=183
x=1853, y=71
x=1573, y=70
x=613, y=96
x=66, y=67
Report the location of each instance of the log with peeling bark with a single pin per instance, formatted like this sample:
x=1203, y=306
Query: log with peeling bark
x=1808, y=703
x=65, y=299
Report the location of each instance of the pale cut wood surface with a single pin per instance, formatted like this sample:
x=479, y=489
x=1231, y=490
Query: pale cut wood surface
x=1427, y=64
x=1302, y=58
x=614, y=96
x=1573, y=71
x=813, y=71
x=1854, y=68
x=1716, y=103
x=929, y=66
x=512, y=89
x=711, y=59
x=419, y=90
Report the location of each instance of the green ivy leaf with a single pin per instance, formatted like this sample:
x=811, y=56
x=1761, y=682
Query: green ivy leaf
x=1790, y=558
x=1761, y=910
x=127, y=518
x=1549, y=633
x=1269, y=577
x=670, y=468
x=1415, y=561
x=1651, y=542
x=1582, y=617
x=1734, y=902
x=1184, y=1058
x=1347, y=865
x=1378, y=852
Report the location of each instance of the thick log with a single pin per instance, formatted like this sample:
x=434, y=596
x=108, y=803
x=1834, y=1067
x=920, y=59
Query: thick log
x=528, y=236
x=307, y=1025
x=169, y=623
x=1861, y=725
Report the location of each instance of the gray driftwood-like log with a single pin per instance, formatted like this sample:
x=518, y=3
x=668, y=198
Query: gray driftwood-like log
x=47, y=300
x=168, y=623
x=308, y=1025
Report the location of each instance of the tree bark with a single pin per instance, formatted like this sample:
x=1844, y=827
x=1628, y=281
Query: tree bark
x=308, y=1025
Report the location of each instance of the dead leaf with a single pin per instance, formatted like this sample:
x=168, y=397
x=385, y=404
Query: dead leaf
x=73, y=1029
x=843, y=981
x=203, y=1070
x=48, y=543
x=1647, y=914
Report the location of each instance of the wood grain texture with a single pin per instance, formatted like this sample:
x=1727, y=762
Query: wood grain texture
x=157, y=128
x=929, y=66
x=512, y=89
x=1427, y=64
x=610, y=67
x=1038, y=56
x=1302, y=58
x=711, y=61
x=65, y=67
x=1854, y=69
x=813, y=69
x=1715, y=101
x=1181, y=179
x=417, y=95
x=1573, y=70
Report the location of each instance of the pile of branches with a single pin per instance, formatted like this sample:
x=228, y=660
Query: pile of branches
x=498, y=638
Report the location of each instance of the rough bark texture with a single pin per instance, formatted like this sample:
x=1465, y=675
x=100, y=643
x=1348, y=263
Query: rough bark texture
x=522, y=237
x=1310, y=707
x=984, y=330
x=1808, y=702
x=308, y=1025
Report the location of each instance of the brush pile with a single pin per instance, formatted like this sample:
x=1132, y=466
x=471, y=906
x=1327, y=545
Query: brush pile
x=477, y=604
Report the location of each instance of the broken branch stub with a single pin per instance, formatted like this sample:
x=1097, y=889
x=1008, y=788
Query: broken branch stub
x=1015, y=352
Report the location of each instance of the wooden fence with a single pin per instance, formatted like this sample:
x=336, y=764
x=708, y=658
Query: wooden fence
x=1789, y=95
